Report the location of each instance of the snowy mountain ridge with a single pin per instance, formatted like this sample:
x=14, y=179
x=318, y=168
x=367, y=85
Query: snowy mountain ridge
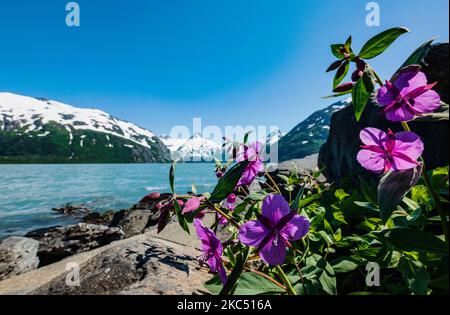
x=30, y=114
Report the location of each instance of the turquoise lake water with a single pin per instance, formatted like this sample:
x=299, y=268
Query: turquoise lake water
x=29, y=192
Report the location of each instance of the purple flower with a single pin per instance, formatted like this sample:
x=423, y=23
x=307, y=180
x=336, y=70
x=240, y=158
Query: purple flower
x=256, y=165
x=275, y=228
x=212, y=249
x=408, y=96
x=230, y=204
x=384, y=151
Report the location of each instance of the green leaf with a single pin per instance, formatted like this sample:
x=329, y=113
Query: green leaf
x=411, y=240
x=379, y=43
x=340, y=194
x=249, y=284
x=369, y=192
x=415, y=275
x=340, y=74
x=361, y=93
x=393, y=187
x=336, y=51
x=418, y=55
x=308, y=200
x=233, y=278
x=336, y=95
x=181, y=219
x=228, y=182
x=348, y=44
x=296, y=204
x=246, y=137
x=172, y=177
x=345, y=264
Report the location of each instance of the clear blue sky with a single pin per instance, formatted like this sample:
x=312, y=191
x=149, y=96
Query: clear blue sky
x=161, y=63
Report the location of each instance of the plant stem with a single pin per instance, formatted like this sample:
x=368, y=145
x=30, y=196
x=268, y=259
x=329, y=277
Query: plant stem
x=284, y=278
x=267, y=277
x=301, y=278
x=377, y=77
x=273, y=183
x=406, y=126
x=226, y=216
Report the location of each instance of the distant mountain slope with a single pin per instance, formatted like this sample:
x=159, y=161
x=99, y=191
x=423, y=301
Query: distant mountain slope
x=309, y=135
x=195, y=149
x=36, y=130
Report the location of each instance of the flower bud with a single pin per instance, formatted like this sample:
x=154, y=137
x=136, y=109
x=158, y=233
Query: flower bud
x=360, y=64
x=154, y=195
x=344, y=87
x=356, y=75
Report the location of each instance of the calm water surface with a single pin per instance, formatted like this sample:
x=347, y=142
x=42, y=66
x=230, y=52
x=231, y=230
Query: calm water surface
x=29, y=192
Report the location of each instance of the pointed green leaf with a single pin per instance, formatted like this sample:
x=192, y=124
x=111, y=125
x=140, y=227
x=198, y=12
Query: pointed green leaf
x=379, y=43
x=393, y=187
x=361, y=93
x=340, y=74
x=411, y=240
x=228, y=182
x=418, y=55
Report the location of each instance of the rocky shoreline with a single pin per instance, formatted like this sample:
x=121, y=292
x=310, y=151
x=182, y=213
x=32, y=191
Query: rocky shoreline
x=125, y=243
x=118, y=252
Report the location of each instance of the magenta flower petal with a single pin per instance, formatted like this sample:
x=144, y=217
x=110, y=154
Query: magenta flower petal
x=409, y=80
x=399, y=114
x=410, y=143
x=373, y=136
x=296, y=228
x=371, y=160
x=251, y=172
x=427, y=102
x=253, y=233
x=275, y=227
x=212, y=249
x=408, y=96
x=382, y=152
x=386, y=96
x=275, y=207
x=274, y=252
x=255, y=165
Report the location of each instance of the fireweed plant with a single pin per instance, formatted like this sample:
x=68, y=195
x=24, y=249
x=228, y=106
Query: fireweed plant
x=262, y=233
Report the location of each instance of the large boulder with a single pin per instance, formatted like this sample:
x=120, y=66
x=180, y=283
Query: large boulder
x=134, y=222
x=59, y=242
x=338, y=155
x=141, y=265
x=18, y=255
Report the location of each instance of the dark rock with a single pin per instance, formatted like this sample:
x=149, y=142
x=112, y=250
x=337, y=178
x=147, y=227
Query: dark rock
x=59, y=242
x=146, y=266
x=70, y=209
x=338, y=155
x=17, y=255
x=134, y=222
x=100, y=218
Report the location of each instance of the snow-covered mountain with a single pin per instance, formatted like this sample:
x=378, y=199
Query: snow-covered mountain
x=194, y=149
x=274, y=136
x=309, y=135
x=36, y=127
